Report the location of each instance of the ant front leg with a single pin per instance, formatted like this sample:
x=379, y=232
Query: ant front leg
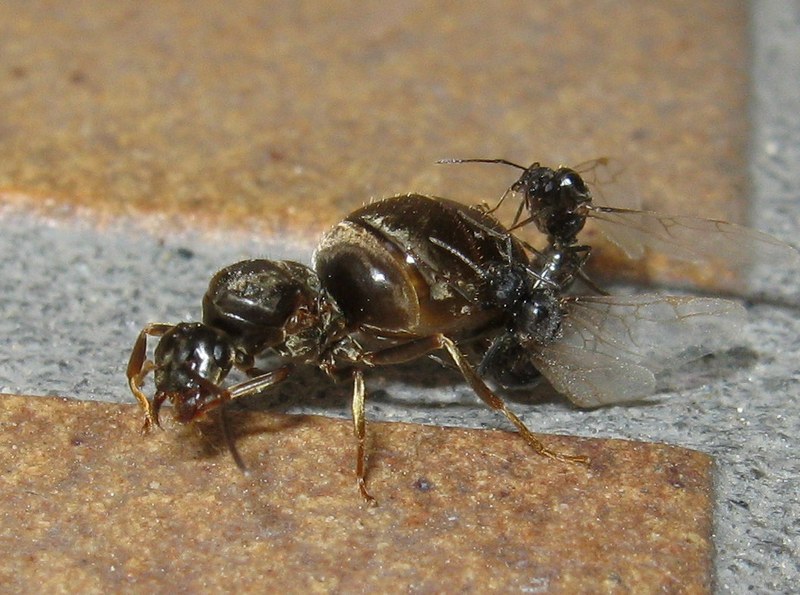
x=139, y=367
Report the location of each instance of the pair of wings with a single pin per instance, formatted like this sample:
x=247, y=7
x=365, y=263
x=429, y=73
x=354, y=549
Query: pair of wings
x=612, y=347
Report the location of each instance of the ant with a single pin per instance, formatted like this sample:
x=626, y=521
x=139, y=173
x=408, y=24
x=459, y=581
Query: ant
x=593, y=349
x=559, y=201
x=382, y=291
x=407, y=277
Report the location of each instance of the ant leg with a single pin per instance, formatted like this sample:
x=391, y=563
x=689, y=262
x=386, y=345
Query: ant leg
x=496, y=403
x=248, y=367
x=519, y=222
x=139, y=367
x=245, y=388
x=360, y=428
x=500, y=202
x=413, y=349
x=518, y=216
x=585, y=252
x=590, y=283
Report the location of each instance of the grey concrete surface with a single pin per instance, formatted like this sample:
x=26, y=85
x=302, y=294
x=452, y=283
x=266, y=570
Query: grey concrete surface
x=73, y=299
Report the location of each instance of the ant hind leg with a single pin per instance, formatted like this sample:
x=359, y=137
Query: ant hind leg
x=496, y=403
x=418, y=348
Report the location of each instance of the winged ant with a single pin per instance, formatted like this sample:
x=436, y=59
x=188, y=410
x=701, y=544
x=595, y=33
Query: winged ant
x=407, y=277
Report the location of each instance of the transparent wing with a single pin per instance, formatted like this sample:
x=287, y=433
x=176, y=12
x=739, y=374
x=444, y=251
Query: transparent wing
x=691, y=239
x=611, y=183
x=613, y=346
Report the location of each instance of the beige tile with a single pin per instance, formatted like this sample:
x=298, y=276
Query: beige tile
x=89, y=504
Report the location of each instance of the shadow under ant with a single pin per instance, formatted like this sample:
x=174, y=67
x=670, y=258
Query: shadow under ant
x=210, y=433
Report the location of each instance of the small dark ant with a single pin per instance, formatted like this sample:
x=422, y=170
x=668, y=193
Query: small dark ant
x=558, y=202
x=530, y=294
x=406, y=277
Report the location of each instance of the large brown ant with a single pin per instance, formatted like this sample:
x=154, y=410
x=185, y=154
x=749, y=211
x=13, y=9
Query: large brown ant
x=407, y=277
x=381, y=292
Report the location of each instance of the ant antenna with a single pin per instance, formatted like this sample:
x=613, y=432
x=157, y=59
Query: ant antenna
x=226, y=436
x=501, y=161
x=224, y=398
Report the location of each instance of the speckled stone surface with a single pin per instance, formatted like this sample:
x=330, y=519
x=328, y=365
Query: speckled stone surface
x=88, y=505
x=74, y=295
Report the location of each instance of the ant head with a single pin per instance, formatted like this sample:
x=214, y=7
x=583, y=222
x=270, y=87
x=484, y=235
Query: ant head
x=191, y=360
x=262, y=303
x=555, y=201
x=544, y=188
x=572, y=188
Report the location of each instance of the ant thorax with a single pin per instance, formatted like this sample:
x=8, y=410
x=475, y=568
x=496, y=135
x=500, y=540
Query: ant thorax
x=534, y=311
x=312, y=334
x=279, y=305
x=537, y=321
